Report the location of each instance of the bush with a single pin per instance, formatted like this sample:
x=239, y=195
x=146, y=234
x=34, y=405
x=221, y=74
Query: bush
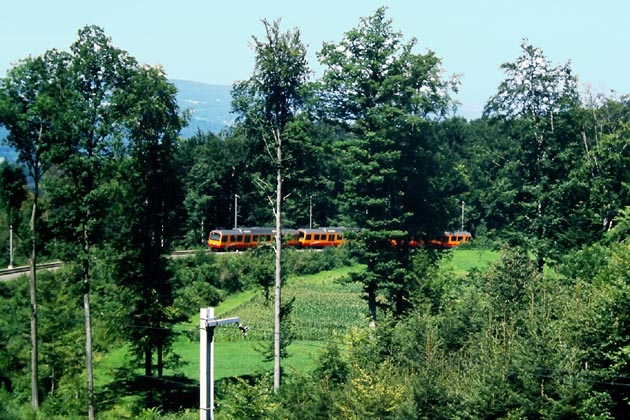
x=301, y=262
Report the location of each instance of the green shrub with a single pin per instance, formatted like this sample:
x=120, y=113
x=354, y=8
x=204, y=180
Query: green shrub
x=300, y=263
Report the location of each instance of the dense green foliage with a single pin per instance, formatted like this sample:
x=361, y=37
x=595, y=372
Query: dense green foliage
x=110, y=189
x=503, y=343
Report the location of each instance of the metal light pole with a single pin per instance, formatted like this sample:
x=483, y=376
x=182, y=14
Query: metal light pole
x=310, y=212
x=236, y=197
x=10, y=246
x=206, y=360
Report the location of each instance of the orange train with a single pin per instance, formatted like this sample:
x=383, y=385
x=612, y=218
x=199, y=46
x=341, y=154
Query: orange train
x=245, y=238
x=447, y=241
x=450, y=240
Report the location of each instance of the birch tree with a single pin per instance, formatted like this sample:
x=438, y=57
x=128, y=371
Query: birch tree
x=532, y=108
x=267, y=103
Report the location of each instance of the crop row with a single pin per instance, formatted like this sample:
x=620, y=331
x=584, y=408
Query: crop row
x=319, y=309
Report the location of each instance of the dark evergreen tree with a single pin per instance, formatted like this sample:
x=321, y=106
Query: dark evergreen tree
x=383, y=94
x=217, y=169
x=149, y=112
x=12, y=195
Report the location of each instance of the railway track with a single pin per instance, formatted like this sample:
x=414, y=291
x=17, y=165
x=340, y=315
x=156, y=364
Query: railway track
x=9, y=273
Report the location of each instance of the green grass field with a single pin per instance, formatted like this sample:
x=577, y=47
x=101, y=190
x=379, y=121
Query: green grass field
x=323, y=306
x=460, y=262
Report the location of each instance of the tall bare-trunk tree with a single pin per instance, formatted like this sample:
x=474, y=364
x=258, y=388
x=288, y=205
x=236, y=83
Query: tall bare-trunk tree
x=31, y=98
x=266, y=104
x=98, y=75
x=277, y=307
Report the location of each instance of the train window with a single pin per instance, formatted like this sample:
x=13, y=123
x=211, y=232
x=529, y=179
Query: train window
x=231, y=238
x=224, y=238
x=238, y=238
x=308, y=237
x=316, y=237
x=248, y=239
x=331, y=238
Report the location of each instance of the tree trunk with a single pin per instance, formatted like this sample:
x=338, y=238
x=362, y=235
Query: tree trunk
x=88, y=323
x=148, y=358
x=278, y=286
x=160, y=360
x=33, y=287
x=88, y=345
x=371, y=295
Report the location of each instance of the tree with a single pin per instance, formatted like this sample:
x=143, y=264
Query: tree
x=533, y=109
x=215, y=168
x=267, y=103
x=150, y=114
x=31, y=102
x=383, y=94
x=602, y=171
x=97, y=74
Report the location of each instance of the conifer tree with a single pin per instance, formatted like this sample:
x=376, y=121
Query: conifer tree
x=383, y=94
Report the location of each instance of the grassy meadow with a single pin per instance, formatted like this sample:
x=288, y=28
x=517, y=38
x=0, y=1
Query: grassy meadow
x=323, y=306
x=460, y=262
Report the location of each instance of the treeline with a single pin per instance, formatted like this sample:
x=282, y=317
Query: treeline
x=105, y=184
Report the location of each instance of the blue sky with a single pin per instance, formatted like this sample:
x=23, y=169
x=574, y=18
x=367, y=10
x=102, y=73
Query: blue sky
x=209, y=41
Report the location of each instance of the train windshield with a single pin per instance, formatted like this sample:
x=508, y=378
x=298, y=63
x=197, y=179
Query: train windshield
x=215, y=236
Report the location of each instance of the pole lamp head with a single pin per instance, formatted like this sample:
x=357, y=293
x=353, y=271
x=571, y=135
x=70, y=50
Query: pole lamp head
x=244, y=329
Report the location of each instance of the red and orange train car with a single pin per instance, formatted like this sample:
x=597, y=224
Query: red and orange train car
x=245, y=238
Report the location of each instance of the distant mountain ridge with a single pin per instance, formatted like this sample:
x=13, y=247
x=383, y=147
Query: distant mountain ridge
x=209, y=107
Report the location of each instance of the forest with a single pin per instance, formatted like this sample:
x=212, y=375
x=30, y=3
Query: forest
x=105, y=184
